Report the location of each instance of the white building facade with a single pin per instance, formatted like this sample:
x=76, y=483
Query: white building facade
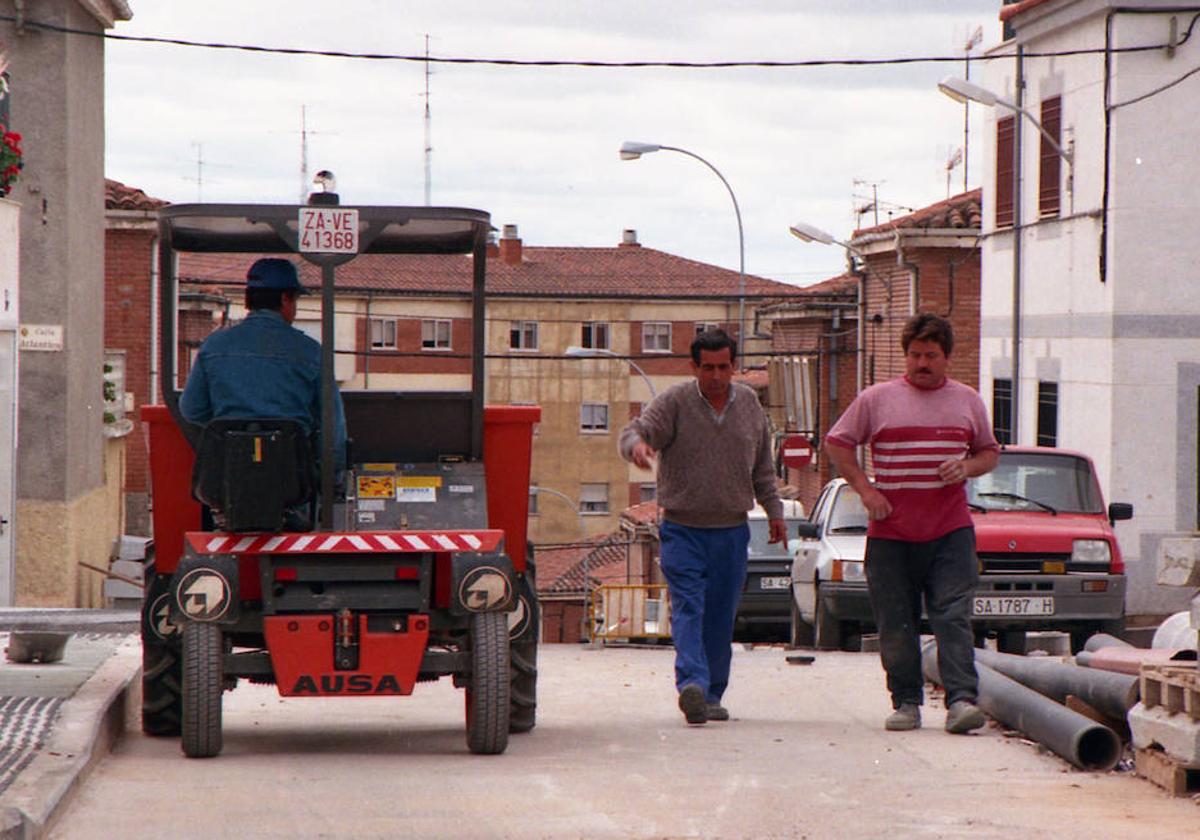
x=1105, y=276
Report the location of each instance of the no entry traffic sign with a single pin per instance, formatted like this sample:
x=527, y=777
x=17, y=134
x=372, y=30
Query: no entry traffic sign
x=797, y=451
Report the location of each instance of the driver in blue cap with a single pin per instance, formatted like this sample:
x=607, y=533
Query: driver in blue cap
x=263, y=366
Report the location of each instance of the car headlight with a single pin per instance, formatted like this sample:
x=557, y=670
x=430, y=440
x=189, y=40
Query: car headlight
x=851, y=570
x=1095, y=552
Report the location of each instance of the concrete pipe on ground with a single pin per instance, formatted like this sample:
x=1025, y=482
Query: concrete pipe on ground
x=1080, y=740
x=1107, y=692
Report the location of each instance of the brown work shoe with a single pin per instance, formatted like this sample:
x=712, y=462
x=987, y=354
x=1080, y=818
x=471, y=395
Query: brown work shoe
x=963, y=716
x=693, y=704
x=716, y=711
x=908, y=716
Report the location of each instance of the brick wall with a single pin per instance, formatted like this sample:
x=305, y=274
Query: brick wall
x=127, y=318
x=949, y=286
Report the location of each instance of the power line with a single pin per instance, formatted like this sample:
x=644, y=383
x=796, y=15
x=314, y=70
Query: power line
x=588, y=64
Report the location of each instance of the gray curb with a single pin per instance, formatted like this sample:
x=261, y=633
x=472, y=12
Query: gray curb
x=86, y=728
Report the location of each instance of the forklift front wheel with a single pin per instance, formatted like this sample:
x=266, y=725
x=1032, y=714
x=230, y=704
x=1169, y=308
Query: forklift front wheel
x=203, y=684
x=488, y=690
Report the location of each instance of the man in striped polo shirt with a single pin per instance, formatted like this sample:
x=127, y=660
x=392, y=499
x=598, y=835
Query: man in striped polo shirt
x=927, y=434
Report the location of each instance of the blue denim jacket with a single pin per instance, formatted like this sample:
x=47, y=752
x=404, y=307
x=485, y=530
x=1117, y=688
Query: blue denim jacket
x=262, y=367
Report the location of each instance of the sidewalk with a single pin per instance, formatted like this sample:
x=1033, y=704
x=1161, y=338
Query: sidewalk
x=57, y=719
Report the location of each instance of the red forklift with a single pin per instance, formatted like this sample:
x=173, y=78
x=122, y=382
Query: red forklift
x=415, y=566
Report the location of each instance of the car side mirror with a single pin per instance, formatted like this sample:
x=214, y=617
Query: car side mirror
x=1119, y=510
x=807, y=530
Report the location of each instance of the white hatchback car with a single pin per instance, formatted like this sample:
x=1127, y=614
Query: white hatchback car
x=829, y=587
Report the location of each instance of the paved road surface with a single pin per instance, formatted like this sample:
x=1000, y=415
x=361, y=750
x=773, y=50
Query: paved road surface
x=804, y=756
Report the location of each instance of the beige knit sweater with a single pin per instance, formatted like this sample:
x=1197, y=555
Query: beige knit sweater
x=710, y=469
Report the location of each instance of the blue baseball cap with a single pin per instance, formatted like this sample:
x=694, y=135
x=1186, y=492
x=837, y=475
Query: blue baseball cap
x=274, y=273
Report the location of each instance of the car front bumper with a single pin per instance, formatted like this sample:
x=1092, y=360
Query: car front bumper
x=1076, y=600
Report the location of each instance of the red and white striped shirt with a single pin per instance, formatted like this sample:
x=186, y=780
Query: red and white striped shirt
x=911, y=431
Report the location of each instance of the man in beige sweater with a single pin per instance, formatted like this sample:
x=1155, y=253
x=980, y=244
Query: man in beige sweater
x=712, y=443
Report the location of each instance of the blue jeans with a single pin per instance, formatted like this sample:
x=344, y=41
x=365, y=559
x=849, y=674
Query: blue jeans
x=945, y=571
x=705, y=570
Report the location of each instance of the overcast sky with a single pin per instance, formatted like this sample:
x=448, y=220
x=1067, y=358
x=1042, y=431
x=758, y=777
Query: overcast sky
x=537, y=146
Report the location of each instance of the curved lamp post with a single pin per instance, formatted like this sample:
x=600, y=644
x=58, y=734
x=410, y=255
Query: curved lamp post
x=811, y=233
x=592, y=352
x=631, y=150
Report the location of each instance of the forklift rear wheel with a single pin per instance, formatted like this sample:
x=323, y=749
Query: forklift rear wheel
x=523, y=652
x=162, y=674
x=203, y=684
x=488, y=691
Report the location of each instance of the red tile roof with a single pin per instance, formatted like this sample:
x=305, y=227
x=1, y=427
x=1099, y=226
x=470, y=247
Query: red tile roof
x=560, y=271
x=117, y=196
x=1011, y=11
x=959, y=211
x=560, y=568
x=645, y=513
x=834, y=285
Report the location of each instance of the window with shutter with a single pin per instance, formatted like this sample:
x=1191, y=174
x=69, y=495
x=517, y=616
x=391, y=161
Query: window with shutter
x=1004, y=171
x=1050, y=166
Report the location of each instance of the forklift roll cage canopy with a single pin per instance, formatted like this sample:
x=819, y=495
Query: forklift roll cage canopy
x=274, y=229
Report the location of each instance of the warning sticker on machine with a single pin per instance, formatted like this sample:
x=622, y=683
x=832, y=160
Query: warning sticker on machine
x=461, y=488
x=376, y=486
x=417, y=488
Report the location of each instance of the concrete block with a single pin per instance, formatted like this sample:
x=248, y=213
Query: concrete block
x=1176, y=734
x=1179, y=561
x=1050, y=642
x=128, y=568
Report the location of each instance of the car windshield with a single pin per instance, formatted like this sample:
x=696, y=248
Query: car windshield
x=848, y=515
x=760, y=532
x=1037, y=481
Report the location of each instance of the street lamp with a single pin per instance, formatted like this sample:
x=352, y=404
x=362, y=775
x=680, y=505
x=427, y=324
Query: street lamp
x=811, y=233
x=960, y=90
x=632, y=151
x=587, y=352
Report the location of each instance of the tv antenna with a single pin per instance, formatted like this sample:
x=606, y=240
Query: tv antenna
x=428, y=130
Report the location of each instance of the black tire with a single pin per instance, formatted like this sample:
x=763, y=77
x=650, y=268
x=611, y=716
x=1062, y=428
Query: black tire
x=801, y=635
x=488, y=690
x=523, y=651
x=827, y=630
x=203, y=684
x=1011, y=641
x=162, y=672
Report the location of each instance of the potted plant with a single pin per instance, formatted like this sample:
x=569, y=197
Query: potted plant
x=10, y=160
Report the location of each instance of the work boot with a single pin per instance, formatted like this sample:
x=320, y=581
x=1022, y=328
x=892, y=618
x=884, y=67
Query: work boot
x=693, y=704
x=908, y=716
x=963, y=716
x=716, y=711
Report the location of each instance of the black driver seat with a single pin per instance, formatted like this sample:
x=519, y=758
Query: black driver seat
x=256, y=474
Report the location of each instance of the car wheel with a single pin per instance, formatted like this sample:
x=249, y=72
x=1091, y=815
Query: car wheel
x=801, y=631
x=827, y=629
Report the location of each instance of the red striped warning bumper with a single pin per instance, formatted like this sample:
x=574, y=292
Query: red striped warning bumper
x=373, y=542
